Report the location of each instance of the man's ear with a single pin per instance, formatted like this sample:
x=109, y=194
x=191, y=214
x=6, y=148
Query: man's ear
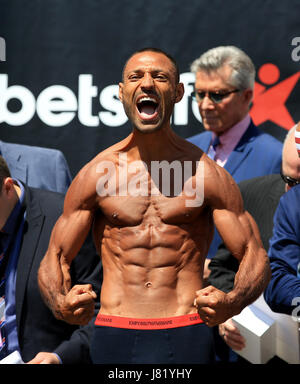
x=8, y=186
x=179, y=92
x=248, y=95
x=121, y=92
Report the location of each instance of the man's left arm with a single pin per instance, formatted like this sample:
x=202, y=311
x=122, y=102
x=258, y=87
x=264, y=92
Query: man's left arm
x=241, y=236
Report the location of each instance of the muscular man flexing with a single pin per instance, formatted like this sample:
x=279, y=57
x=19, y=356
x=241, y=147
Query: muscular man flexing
x=153, y=233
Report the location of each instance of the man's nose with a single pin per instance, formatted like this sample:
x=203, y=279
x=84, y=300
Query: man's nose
x=207, y=103
x=147, y=81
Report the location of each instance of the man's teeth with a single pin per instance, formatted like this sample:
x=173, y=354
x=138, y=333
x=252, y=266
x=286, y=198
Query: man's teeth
x=147, y=99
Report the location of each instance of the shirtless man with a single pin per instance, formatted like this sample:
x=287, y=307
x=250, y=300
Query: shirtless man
x=154, y=308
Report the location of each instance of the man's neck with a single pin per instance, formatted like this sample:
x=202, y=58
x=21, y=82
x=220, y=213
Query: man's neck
x=18, y=191
x=156, y=145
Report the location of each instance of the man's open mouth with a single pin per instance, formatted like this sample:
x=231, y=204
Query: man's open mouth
x=147, y=107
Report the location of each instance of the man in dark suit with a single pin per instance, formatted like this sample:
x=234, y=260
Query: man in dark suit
x=224, y=81
x=27, y=216
x=261, y=197
x=37, y=167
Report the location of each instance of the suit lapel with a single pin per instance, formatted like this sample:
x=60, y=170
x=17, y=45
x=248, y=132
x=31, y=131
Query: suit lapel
x=242, y=149
x=32, y=230
x=206, y=142
x=13, y=158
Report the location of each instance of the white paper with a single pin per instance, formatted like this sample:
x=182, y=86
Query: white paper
x=13, y=358
x=258, y=329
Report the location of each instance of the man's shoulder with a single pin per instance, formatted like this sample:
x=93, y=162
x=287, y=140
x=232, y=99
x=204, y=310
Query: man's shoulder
x=217, y=179
x=288, y=210
x=257, y=189
x=291, y=198
x=30, y=150
x=199, y=137
x=265, y=139
x=260, y=182
x=50, y=203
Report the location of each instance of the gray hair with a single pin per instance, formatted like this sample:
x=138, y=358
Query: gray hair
x=243, y=70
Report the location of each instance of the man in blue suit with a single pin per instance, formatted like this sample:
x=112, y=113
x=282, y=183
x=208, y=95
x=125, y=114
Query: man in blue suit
x=224, y=81
x=38, y=167
x=283, y=291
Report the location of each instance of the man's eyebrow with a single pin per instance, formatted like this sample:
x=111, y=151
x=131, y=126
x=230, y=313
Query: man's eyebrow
x=152, y=70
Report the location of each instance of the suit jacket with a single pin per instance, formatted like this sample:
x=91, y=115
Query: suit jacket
x=261, y=196
x=37, y=167
x=38, y=329
x=284, y=253
x=256, y=154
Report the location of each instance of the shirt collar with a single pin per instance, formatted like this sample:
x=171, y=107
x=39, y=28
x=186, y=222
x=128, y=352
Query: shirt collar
x=13, y=218
x=233, y=135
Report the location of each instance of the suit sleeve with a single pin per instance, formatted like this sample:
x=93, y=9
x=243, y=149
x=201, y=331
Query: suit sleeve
x=85, y=269
x=62, y=172
x=284, y=254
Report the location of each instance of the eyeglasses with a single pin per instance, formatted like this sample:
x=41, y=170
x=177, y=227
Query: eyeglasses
x=290, y=181
x=216, y=97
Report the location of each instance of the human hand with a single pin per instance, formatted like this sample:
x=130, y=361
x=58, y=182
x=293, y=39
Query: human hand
x=231, y=335
x=45, y=358
x=214, y=306
x=77, y=306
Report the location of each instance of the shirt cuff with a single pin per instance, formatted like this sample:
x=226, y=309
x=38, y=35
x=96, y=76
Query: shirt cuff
x=59, y=359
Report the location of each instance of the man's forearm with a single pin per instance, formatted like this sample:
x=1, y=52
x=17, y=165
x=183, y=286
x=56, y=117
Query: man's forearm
x=54, y=282
x=251, y=279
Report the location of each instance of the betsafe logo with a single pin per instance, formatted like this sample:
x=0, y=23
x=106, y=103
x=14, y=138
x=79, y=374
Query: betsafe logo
x=271, y=95
x=57, y=105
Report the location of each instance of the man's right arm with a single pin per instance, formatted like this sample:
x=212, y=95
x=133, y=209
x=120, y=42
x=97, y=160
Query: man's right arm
x=72, y=304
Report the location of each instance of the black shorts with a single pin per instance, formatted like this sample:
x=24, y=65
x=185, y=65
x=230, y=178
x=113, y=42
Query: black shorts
x=189, y=344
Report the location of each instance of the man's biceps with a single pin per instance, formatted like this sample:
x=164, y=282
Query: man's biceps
x=234, y=234
x=225, y=219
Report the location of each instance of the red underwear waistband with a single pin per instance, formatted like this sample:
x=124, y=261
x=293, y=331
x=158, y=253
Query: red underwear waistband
x=159, y=323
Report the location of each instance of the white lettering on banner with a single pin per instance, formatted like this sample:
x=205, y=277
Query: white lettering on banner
x=85, y=94
x=110, y=101
x=26, y=98
x=181, y=112
x=56, y=105
x=53, y=103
